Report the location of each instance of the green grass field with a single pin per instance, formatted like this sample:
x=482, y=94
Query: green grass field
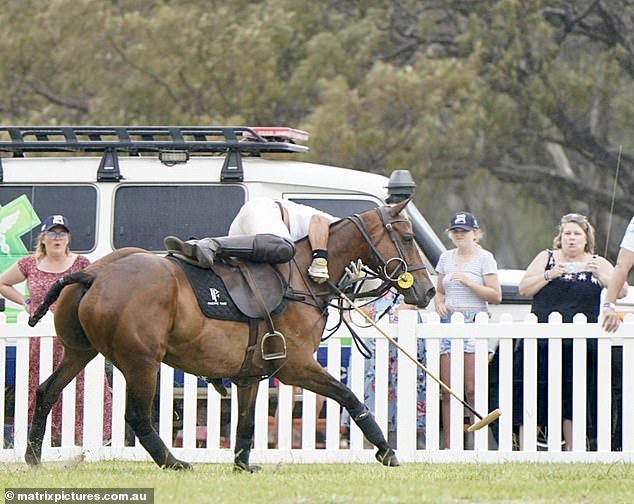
x=345, y=483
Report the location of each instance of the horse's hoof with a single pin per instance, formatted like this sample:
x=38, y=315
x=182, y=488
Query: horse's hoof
x=387, y=457
x=31, y=459
x=180, y=465
x=245, y=468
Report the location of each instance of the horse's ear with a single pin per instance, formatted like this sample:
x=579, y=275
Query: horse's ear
x=398, y=207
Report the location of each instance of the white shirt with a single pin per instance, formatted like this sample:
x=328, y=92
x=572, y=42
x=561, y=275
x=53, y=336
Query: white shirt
x=458, y=295
x=262, y=215
x=628, y=237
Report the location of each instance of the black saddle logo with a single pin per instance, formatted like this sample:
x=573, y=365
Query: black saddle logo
x=215, y=298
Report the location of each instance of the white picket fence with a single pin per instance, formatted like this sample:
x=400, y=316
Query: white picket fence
x=202, y=439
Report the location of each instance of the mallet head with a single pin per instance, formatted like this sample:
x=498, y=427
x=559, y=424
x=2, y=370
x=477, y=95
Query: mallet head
x=494, y=415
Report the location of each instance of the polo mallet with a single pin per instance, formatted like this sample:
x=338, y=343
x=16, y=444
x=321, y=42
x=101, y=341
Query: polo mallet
x=484, y=421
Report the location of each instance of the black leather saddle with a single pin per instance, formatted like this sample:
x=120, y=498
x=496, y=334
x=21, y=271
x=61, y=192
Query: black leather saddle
x=236, y=290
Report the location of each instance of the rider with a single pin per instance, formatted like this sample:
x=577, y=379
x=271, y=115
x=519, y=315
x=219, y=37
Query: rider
x=289, y=220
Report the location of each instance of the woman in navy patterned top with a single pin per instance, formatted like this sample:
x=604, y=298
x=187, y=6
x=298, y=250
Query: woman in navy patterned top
x=569, y=280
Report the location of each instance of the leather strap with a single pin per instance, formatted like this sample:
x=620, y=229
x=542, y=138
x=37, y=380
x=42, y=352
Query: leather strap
x=242, y=378
x=284, y=214
x=246, y=273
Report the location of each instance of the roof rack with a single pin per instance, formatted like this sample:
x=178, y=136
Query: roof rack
x=140, y=139
x=109, y=140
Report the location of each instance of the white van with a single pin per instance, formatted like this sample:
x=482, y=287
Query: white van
x=132, y=186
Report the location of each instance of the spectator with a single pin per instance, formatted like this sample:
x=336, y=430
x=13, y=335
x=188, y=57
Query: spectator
x=618, y=281
x=568, y=280
x=51, y=261
x=391, y=304
x=467, y=282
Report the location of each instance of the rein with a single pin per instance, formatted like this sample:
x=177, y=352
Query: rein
x=351, y=287
x=389, y=230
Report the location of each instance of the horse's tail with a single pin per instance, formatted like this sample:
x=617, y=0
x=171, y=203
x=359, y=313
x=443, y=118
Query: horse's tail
x=81, y=277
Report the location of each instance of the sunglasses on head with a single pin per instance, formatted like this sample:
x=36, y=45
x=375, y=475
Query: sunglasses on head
x=574, y=217
x=55, y=234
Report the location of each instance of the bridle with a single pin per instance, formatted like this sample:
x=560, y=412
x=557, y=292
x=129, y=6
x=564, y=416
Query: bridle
x=401, y=273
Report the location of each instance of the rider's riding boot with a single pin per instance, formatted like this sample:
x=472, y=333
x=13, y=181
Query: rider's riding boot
x=318, y=270
x=266, y=248
x=201, y=250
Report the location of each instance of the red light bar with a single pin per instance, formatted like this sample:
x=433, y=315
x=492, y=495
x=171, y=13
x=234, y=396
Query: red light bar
x=280, y=134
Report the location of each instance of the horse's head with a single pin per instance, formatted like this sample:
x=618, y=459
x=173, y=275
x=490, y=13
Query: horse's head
x=394, y=253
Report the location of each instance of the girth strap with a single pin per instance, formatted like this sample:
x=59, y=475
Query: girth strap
x=242, y=378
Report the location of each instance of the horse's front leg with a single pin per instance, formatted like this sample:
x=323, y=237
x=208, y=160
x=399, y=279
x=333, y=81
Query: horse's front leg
x=316, y=378
x=244, y=434
x=47, y=393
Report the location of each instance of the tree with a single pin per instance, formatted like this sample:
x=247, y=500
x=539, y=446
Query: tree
x=519, y=110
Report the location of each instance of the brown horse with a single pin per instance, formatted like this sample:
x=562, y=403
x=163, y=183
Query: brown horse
x=138, y=309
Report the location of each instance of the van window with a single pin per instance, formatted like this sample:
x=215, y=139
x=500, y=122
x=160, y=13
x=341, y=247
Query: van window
x=339, y=207
x=144, y=215
x=78, y=203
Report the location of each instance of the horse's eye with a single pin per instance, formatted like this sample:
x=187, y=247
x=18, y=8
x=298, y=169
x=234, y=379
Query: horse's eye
x=408, y=239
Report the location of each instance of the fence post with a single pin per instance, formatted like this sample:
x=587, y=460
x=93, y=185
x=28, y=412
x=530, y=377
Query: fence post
x=333, y=417
x=579, y=388
x=118, y=408
x=166, y=404
x=356, y=381
x=529, y=414
x=456, y=428
x=604, y=394
x=433, y=331
x=481, y=373
x=627, y=420
x=407, y=382
x=505, y=380
x=554, y=393
x=93, y=405
x=21, y=421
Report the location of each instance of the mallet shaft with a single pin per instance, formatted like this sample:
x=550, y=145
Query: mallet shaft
x=484, y=421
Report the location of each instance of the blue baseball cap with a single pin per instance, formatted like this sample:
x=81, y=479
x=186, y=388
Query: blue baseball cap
x=55, y=221
x=463, y=220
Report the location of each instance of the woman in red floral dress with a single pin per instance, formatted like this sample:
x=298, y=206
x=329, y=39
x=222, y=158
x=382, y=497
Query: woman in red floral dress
x=51, y=261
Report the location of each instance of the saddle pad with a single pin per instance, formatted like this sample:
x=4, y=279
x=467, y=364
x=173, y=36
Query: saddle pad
x=237, y=303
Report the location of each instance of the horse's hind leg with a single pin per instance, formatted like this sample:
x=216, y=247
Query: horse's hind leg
x=245, y=428
x=317, y=379
x=73, y=361
x=141, y=385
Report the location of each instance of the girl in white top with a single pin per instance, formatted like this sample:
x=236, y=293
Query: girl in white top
x=467, y=282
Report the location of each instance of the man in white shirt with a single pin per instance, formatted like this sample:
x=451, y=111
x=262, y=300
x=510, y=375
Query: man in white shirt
x=624, y=263
x=290, y=220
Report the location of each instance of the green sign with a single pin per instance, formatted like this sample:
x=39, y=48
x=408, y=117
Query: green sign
x=16, y=219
